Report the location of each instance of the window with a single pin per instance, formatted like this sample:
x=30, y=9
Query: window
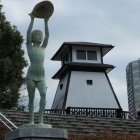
x=91, y=55
x=89, y=82
x=81, y=54
x=86, y=55
x=61, y=86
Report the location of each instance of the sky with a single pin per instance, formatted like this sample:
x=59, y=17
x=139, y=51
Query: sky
x=99, y=21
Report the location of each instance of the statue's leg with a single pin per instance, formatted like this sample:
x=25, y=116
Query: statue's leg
x=41, y=85
x=31, y=85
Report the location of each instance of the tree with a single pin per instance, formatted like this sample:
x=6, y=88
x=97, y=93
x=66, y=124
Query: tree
x=12, y=63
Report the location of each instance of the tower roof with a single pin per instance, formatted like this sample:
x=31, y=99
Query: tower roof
x=82, y=67
x=67, y=45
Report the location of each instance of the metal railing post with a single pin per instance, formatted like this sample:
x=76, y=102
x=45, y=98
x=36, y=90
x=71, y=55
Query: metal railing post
x=68, y=110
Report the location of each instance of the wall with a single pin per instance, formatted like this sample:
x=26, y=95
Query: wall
x=3, y=130
x=60, y=93
x=98, y=95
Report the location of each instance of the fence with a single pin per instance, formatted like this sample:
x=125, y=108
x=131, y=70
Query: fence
x=93, y=112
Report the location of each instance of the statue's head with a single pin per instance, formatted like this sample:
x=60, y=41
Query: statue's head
x=37, y=36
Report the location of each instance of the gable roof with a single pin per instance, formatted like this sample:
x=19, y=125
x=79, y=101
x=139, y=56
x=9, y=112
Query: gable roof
x=67, y=45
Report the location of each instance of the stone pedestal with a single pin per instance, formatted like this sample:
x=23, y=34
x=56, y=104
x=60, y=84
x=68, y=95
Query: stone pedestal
x=31, y=133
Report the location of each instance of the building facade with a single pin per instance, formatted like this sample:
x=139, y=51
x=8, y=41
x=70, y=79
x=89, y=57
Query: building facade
x=133, y=87
x=83, y=77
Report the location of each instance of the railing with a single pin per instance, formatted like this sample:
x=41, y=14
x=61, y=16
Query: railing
x=131, y=117
x=93, y=112
x=5, y=125
x=4, y=119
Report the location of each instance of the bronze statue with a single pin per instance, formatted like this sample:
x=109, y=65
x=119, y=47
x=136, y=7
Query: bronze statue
x=36, y=50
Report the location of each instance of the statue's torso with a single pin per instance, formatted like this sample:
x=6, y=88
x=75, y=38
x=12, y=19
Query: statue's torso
x=36, y=70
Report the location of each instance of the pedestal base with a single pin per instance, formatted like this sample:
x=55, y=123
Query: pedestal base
x=36, y=125
x=31, y=133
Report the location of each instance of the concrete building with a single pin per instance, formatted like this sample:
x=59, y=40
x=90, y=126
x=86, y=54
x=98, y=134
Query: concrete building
x=83, y=77
x=133, y=87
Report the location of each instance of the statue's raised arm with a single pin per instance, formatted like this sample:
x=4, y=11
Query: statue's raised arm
x=28, y=37
x=45, y=42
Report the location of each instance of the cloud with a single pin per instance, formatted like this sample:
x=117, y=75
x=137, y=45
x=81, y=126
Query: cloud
x=109, y=22
x=14, y=10
x=120, y=89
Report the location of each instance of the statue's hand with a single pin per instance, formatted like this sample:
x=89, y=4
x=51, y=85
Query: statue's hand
x=31, y=15
x=46, y=20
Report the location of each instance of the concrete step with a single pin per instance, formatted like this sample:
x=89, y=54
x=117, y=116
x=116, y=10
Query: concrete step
x=77, y=124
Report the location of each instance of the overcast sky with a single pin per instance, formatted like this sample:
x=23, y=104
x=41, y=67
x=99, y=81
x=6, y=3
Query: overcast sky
x=99, y=21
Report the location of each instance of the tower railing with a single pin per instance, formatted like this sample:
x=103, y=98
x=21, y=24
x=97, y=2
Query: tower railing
x=92, y=112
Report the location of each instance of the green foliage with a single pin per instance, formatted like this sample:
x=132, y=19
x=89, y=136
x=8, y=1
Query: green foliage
x=12, y=63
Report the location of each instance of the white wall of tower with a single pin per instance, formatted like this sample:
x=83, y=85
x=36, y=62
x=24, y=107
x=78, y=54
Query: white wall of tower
x=97, y=95
x=60, y=93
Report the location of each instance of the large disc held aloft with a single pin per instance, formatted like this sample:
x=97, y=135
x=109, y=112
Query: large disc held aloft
x=43, y=9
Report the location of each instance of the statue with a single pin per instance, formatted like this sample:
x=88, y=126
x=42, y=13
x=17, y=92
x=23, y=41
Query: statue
x=35, y=77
